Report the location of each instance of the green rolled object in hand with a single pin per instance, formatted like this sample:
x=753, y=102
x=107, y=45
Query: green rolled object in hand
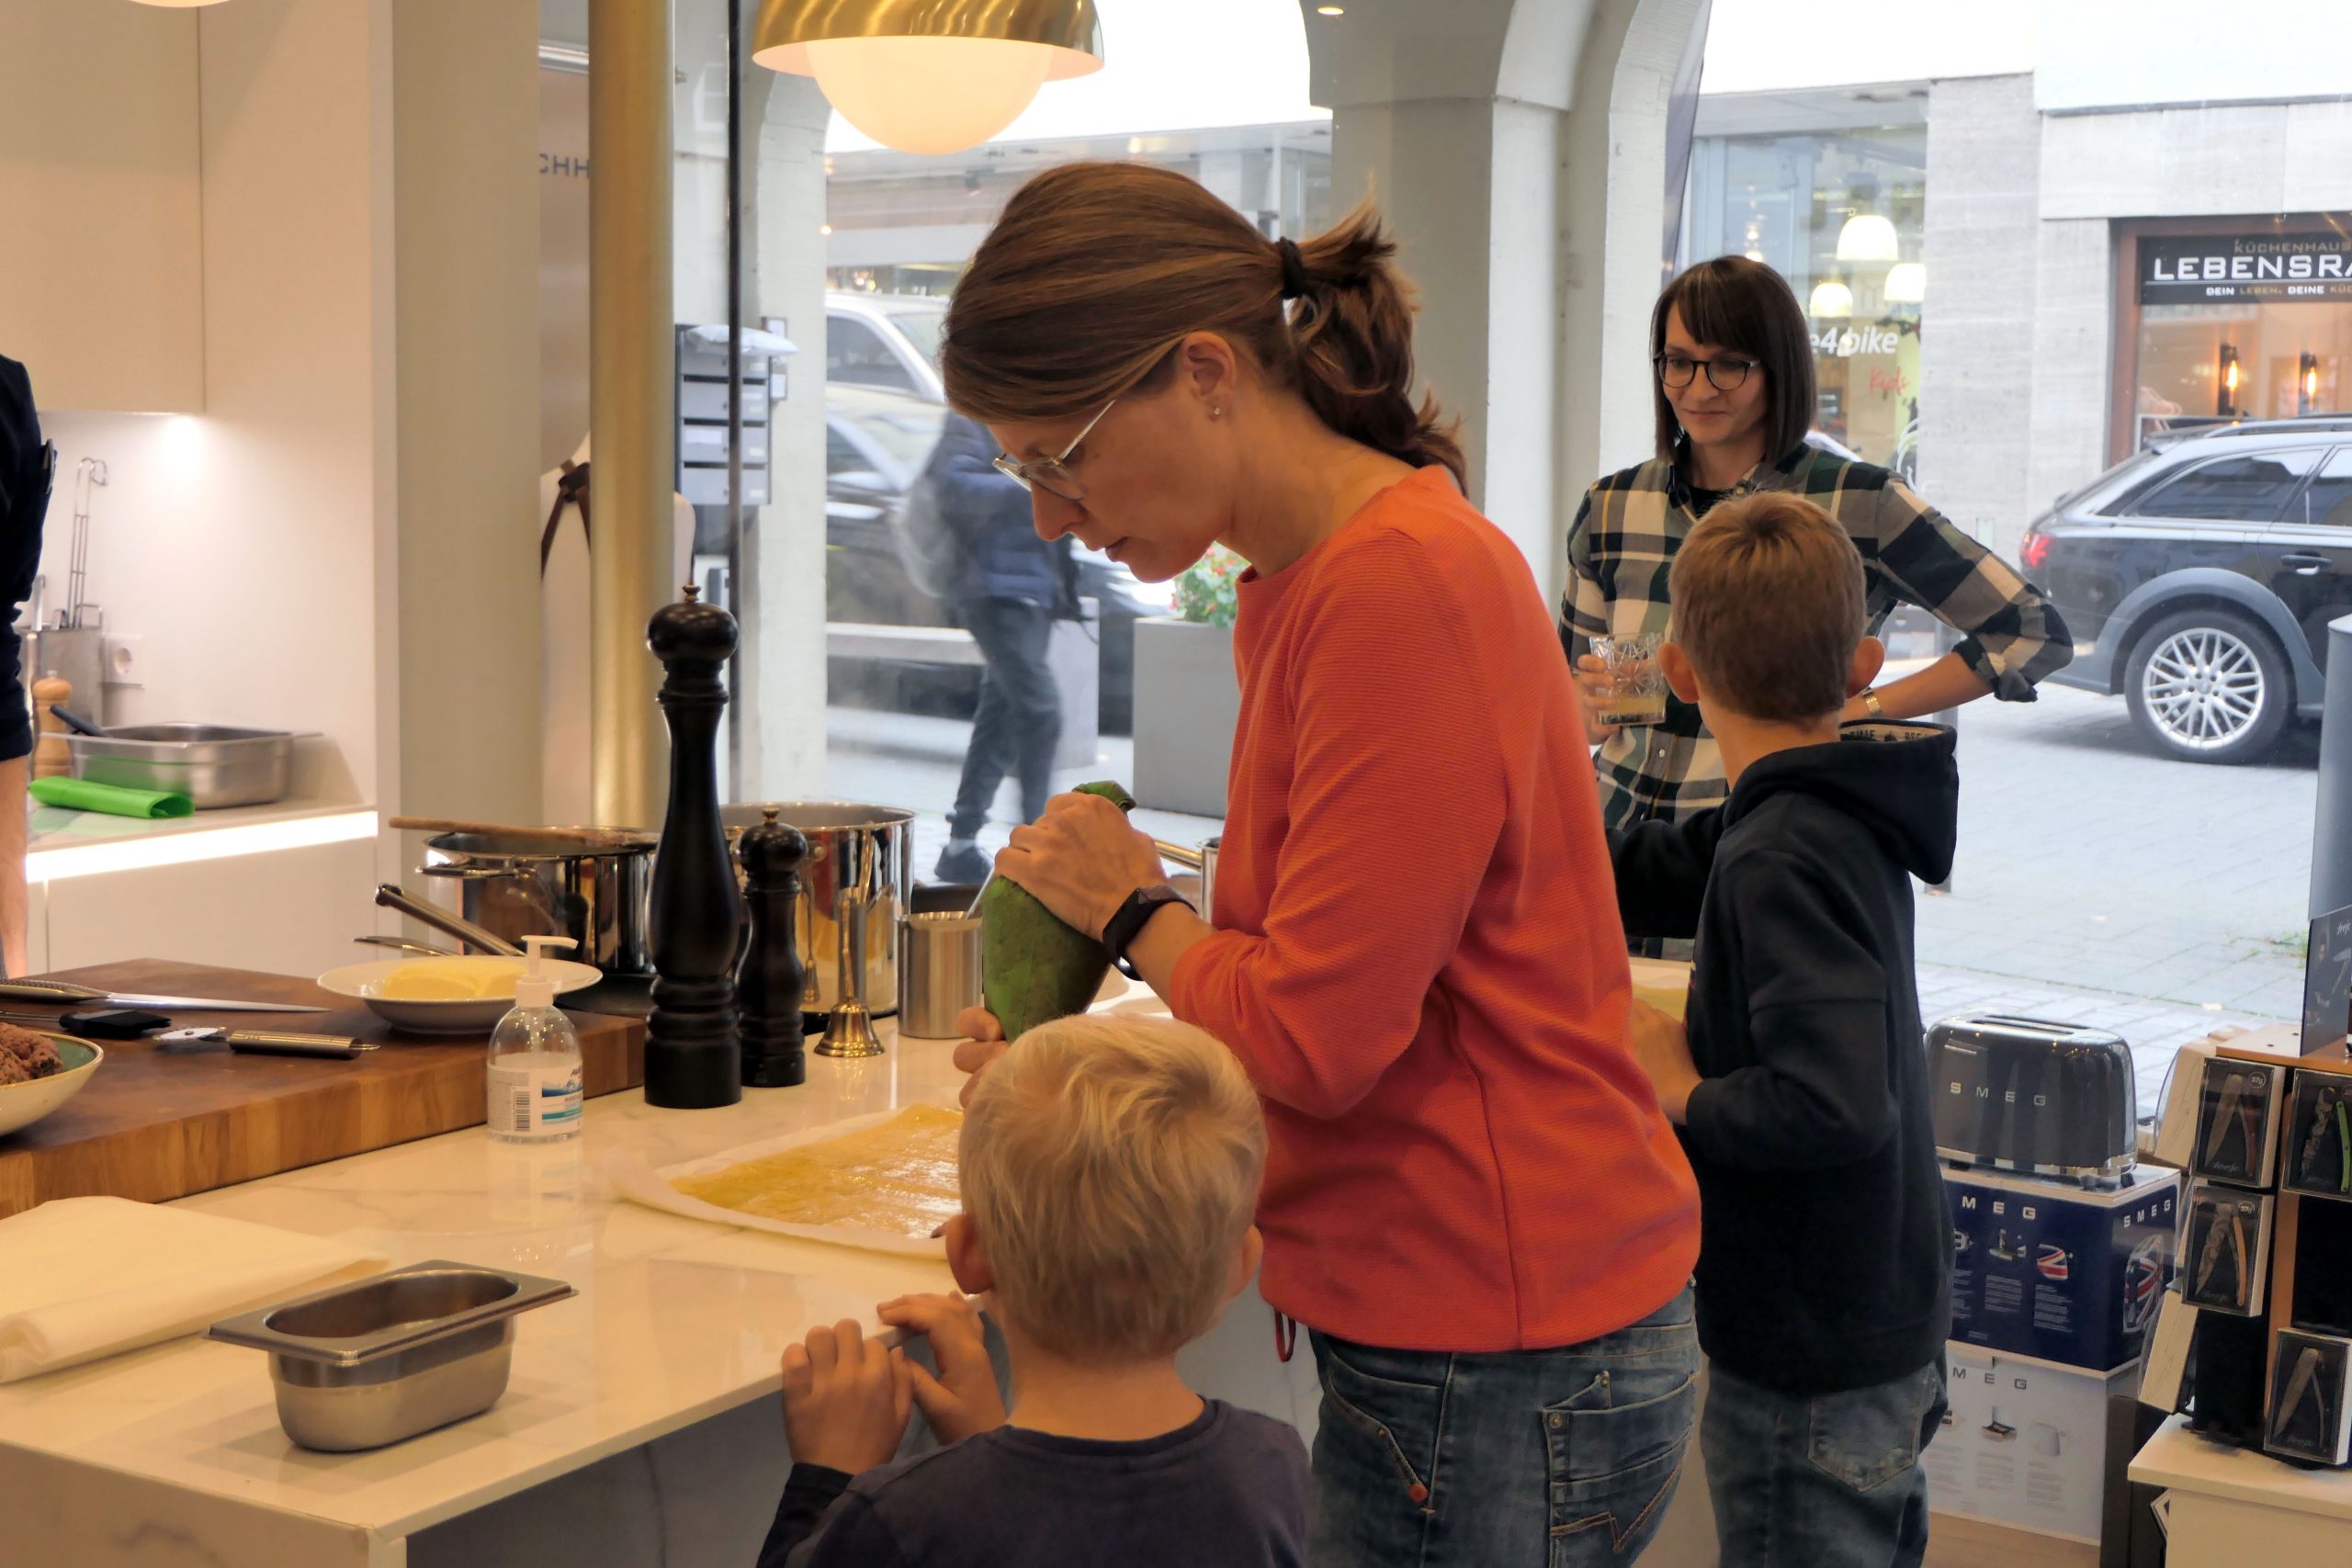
x=115, y=800
x=1034, y=968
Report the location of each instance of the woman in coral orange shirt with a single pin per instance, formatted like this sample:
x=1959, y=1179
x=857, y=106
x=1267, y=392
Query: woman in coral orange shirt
x=1471, y=1199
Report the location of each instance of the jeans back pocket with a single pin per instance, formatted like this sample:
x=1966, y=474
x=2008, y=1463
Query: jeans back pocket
x=1867, y=1437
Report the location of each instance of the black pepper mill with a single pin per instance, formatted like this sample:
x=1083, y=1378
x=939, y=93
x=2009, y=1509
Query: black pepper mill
x=773, y=982
x=693, y=1057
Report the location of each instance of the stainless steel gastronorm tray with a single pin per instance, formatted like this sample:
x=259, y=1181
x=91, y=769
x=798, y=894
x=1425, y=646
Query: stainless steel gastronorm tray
x=361, y=1365
x=212, y=764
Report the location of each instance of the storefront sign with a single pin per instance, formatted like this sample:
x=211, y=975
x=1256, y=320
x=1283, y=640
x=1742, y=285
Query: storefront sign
x=1836, y=343
x=2177, y=269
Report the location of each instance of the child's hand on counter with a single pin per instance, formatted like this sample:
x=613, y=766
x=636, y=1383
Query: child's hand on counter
x=1662, y=1048
x=963, y=1399
x=846, y=1399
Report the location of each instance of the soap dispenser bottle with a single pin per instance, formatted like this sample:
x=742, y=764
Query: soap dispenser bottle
x=534, y=1064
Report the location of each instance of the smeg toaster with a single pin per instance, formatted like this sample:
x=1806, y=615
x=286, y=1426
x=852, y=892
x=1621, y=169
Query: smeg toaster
x=2028, y=1094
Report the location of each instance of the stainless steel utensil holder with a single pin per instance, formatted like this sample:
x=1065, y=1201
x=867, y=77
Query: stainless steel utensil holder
x=941, y=976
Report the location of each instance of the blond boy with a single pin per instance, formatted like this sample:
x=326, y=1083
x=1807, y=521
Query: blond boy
x=1110, y=1169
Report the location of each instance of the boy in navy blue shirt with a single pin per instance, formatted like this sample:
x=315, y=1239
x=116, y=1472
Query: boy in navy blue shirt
x=1110, y=1167
x=1798, y=1076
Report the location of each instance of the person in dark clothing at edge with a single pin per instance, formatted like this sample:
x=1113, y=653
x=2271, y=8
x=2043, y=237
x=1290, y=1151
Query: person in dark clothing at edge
x=26, y=464
x=1797, y=1075
x=1010, y=589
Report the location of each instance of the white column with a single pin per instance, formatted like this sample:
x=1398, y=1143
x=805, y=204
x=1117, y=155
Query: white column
x=783, y=700
x=632, y=369
x=1517, y=147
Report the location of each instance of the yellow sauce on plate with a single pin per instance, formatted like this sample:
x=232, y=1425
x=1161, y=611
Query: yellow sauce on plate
x=897, y=1176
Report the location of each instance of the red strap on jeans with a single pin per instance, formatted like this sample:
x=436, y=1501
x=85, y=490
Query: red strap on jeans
x=1286, y=1337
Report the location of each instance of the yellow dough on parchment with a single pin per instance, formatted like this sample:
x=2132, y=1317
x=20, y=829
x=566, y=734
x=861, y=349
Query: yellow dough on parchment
x=898, y=1177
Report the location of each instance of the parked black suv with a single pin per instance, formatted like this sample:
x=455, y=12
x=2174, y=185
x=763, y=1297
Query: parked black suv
x=2199, y=580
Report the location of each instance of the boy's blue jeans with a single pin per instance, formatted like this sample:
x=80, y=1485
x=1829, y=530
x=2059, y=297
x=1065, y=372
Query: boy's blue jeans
x=1528, y=1458
x=1829, y=1480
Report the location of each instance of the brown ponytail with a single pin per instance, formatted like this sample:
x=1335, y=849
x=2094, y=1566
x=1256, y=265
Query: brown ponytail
x=1094, y=270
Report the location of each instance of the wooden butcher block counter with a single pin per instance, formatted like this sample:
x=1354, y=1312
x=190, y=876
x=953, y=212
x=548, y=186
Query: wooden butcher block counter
x=159, y=1124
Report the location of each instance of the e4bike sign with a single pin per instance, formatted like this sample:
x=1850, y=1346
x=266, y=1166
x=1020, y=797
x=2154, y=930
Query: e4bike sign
x=2197, y=269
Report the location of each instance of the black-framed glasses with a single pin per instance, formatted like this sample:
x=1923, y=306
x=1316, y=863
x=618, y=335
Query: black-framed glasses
x=1726, y=371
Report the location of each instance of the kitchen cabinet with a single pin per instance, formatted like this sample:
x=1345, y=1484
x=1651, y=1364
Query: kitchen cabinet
x=101, y=269
x=291, y=911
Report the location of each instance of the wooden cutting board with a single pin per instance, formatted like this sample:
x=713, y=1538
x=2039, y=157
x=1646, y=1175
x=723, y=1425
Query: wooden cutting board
x=157, y=1124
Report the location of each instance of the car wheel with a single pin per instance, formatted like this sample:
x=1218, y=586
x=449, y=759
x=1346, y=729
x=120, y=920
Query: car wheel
x=2210, y=686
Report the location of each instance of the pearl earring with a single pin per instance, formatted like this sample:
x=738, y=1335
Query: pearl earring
x=1216, y=414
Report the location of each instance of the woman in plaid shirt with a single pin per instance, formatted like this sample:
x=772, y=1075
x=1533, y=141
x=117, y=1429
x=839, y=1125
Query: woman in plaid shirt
x=1734, y=387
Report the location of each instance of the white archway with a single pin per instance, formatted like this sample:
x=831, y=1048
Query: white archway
x=1518, y=148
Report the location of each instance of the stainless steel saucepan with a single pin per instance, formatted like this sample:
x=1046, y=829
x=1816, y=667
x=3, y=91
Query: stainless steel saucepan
x=592, y=885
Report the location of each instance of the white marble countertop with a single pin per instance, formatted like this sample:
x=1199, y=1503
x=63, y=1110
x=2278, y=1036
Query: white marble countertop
x=676, y=1320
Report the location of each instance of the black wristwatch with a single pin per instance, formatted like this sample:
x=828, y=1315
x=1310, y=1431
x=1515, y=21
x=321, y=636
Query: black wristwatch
x=1128, y=923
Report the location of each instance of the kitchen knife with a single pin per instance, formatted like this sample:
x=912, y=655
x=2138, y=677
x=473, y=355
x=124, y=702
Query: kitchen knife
x=268, y=1042
x=67, y=991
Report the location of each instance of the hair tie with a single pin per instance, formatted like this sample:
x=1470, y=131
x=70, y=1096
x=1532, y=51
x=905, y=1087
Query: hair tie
x=1293, y=268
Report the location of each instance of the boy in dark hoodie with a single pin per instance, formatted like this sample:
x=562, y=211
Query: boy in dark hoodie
x=1797, y=1075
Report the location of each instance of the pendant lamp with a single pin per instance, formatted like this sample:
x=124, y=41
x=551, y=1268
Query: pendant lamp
x=1867, y=237
x=930, y=76
x=1831, y=301
x=1906, y=283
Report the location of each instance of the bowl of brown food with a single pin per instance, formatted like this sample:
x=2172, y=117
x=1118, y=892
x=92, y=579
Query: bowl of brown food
x=39, y=1073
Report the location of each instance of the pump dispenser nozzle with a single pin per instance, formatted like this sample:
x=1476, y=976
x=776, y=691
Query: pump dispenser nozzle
x=537, y=989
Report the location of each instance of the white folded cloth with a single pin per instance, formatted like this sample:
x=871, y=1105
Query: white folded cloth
x=82, y=1278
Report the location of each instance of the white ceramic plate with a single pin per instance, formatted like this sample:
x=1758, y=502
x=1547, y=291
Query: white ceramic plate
x=22, y=1104
x=467, y=1015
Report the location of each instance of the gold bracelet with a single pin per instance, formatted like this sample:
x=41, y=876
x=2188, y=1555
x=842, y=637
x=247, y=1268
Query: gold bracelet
x=1871, y=703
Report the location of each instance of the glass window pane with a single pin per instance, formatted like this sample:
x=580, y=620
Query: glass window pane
x=2329, y=499
x=921, y=328
x=2245, y=490
x=856, y=354
x=842, y=455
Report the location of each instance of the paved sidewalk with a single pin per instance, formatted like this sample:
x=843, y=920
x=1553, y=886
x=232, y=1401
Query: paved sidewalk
x=2088, y=861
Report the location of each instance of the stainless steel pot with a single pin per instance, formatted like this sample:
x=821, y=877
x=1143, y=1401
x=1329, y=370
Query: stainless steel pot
x=855, y=886
x=1203, y=860
x=593, y=886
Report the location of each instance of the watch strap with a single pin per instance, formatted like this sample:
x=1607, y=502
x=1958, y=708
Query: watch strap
x=1128, y=923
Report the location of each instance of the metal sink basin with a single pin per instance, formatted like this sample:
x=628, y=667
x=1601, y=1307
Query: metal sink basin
x=362, y=1365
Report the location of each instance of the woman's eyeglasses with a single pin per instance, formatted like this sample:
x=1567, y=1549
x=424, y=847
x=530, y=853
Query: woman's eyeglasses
x=1725, y=372
x=1047, y=473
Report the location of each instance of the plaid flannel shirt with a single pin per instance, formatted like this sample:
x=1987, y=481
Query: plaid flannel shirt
x=1622, y=545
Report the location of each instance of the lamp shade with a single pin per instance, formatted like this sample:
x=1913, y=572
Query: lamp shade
x=1906, y=283
x=1831, y=301
x=1867, y=237
x=930, y=76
